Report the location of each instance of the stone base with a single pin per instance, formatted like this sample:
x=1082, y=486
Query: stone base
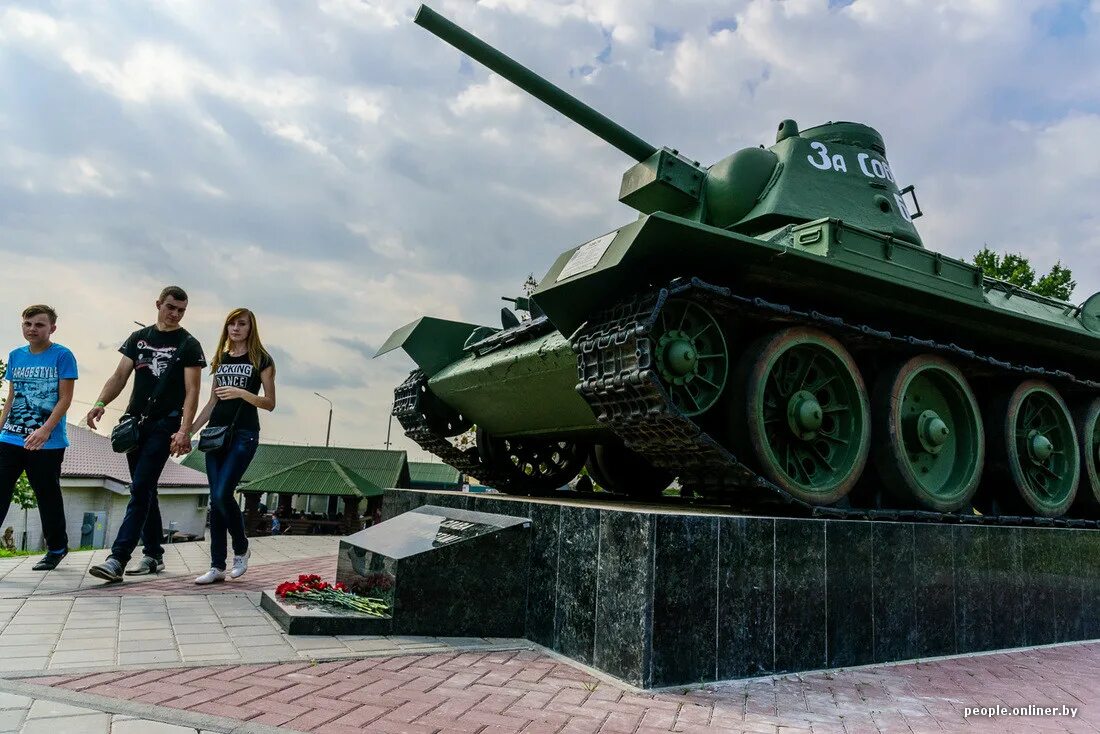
x=661, y=597
x=317, y=619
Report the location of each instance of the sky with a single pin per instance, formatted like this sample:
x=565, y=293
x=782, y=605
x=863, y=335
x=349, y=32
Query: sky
x=342, y=172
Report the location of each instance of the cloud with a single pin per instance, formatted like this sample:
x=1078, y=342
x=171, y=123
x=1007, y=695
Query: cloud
x=342, y=172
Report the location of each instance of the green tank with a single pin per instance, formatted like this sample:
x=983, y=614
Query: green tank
x=770, y=327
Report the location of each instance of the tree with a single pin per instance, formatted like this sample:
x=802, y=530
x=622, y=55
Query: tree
x=1017, y=270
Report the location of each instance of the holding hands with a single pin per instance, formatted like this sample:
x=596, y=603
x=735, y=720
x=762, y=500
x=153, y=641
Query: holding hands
x=181, y=444
x=231, y=393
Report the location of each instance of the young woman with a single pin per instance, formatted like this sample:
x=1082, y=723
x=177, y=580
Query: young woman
x=240, y=366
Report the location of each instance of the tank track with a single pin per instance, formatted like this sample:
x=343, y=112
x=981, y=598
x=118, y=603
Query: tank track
x=618, y=379
x=415, y=418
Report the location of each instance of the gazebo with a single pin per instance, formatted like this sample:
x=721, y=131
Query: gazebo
x=316, y=477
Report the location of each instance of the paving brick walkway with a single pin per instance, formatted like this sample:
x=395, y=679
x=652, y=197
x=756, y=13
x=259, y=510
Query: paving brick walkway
x=528, y=692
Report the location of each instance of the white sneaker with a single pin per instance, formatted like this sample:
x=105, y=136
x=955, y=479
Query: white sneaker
x=211, y=576
x=240, y=564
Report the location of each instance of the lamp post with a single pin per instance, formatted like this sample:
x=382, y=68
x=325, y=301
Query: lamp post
x=388, y=427
x=328, y=433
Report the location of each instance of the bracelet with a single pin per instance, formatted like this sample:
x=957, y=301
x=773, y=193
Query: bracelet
x=100, y=404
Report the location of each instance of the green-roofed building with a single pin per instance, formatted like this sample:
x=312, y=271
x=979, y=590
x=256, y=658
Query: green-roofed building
x=433, y=475
x=383, y=468
x=344, y=489
x=315, y=482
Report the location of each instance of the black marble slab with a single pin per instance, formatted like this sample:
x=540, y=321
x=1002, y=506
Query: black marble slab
x=575, y=588
x=302, y=618
x=746, y=597
x=624, y=595
x=850, y=629
x=670, y=596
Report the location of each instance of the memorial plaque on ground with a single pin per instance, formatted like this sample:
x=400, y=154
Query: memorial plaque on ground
x=441, y=571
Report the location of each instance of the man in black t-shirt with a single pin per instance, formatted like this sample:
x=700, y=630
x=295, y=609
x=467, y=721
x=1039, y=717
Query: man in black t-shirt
x=154, y=353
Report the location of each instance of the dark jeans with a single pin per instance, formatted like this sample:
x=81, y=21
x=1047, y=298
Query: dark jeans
x=143, y=511
x=43, y=469
x=224, y=470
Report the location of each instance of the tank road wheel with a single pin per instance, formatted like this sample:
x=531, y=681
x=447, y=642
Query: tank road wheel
x=929, y=448
x=807, y=415
x=690, y=355
x=530, y=464
x=618, y=469
x=1036, y=447
x=1087, y=422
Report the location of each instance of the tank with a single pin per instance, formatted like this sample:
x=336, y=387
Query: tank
x=770, y=329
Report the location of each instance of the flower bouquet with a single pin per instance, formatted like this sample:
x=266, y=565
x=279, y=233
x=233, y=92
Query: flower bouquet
x=312, y=588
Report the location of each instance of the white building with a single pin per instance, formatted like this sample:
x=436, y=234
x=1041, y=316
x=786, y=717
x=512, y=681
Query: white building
x=96, y=480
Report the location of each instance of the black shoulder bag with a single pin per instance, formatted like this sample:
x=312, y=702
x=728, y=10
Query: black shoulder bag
x=127, y=433
x=216, y=438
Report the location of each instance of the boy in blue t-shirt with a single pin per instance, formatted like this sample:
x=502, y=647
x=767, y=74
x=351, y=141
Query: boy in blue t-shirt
x=41, y=378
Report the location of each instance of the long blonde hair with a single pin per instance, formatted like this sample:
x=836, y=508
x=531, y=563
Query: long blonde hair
x=256, y=351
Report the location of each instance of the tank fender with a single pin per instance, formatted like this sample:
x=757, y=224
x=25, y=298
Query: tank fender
x=432, y=343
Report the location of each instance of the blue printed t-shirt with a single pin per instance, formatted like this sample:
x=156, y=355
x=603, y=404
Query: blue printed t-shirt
x=35, y=379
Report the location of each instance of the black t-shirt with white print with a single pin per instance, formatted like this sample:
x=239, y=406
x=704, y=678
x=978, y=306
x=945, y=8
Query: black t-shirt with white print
x=152, y=351
x=238, y=372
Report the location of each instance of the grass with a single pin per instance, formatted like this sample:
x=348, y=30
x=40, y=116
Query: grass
x=17, y=553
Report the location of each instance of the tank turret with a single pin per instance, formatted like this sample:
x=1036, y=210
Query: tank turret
x=834, y=170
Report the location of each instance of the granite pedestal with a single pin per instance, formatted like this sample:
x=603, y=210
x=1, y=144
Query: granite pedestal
x=662, y=597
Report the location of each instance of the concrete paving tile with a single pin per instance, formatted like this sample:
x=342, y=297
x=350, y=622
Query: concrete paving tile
x=314, y=642
x=42, y=709
x=12, y=719
x=267, y=655
x=259, y=641
x=87, y=633
x=25, y=651
x=371, y=644
x=189, y=628
x=155, y=643
x=87, y=657
x=7, y=641
x=141, y=726
x=144, y=624
x=33, y=629
x=254, y=630
x=89, y=622
x=323, y=652
x=86, y=643
x=12, y=701
x=97, y=723
x=151, y=656
x=190, y=651
x=208, y=638
x=153, y=634
x=188, y=658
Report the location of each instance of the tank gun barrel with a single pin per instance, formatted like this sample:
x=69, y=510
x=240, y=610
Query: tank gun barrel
x=534, y=84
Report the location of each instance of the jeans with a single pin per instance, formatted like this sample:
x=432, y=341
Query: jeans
x=43, y=469
x=224, y=470
x=143, y=511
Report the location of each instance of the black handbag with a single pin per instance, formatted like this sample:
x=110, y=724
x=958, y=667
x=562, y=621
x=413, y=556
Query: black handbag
x=215, y=438
x=126, y=435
